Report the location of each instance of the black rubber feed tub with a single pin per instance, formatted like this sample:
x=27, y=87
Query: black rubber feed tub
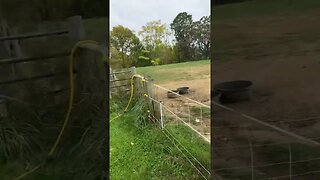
x=234, y=91
x=183, y=90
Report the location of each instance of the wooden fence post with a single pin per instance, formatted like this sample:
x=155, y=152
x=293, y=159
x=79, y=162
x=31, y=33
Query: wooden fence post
x=151, y=94
x=75, y=28
x=90, y=87
x=4, y=45
x=133, y=70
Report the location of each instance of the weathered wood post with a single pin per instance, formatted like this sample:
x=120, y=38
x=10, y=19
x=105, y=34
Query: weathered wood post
x=91, y=79
x=4, y=45
x=75, y=28
x=150, y=92
x=91, y=95
x=133, y=70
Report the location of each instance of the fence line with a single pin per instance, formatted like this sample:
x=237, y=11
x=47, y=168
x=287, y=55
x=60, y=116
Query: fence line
x=270, y=164
x=254, y=162
x=173, y=140
x=35, y=35
x=293, y=175
x=261, y=145
x=301, y=138
x=114, y=80
x=177, y=140
x=160, y=110
x=187, y=124
x=186, y=157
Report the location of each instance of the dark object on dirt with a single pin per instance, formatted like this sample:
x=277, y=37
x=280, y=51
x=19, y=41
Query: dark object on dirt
x=172, y=95
x=234, y=91
x=183, y=90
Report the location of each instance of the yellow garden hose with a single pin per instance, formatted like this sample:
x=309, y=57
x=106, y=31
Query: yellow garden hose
x=71, y=99
x=71, y=95
x=70, y=104
x=131, y=94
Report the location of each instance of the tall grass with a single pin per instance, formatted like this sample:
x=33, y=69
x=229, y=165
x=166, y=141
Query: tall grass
x=28, y=133
x=17, y=139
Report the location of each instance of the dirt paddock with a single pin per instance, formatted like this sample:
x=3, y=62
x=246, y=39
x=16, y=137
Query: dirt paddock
x=284, y=89
x=199, y=90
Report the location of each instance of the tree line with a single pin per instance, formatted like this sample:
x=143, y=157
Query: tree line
x=155, y=43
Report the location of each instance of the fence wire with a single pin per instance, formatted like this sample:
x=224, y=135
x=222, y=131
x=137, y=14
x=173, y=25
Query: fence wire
x=186, y=123
x=247, y=149
x=170, y=131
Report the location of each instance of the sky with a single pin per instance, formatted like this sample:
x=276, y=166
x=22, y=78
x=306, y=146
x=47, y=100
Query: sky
x=136, y=13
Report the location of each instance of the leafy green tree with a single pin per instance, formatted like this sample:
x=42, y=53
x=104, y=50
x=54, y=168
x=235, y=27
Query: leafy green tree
x=153, y=34
x=125, y=42
x=201, y=30
x=155, y=38
x=165, y=54
x=182, y=26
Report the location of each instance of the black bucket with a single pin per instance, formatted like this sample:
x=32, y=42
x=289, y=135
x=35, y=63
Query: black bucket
x=234, y=91
x=183, y=90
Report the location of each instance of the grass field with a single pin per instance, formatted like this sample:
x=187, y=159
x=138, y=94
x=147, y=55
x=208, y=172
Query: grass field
x=141, y=152
x=177, y=72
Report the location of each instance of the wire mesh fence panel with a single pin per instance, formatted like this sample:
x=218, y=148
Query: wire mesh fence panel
x=246, y=149
x=182, y=123
x=191, y=113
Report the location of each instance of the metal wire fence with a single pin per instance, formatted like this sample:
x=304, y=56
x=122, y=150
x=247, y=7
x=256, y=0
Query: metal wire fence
x=186, y=123
x=250, y=148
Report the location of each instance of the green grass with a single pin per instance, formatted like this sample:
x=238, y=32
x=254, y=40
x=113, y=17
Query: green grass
x=145, y=152
x=206, y=113
x=196, y=145
x=177, y=72
x=258, y=8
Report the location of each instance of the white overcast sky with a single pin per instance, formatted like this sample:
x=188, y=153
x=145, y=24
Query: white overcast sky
x=136, y=13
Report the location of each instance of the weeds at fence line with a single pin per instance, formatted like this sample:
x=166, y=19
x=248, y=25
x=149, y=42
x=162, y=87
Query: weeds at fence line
x=26, y=137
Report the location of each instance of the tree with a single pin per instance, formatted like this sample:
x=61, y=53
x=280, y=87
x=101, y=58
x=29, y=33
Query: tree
x=202, y=36
x=153, y=34
x=182, y=26
x=124, y=41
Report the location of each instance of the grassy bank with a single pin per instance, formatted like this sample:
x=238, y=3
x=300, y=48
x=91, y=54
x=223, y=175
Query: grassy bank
x=141, y=152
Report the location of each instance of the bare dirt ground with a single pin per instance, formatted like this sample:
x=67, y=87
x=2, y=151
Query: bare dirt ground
x=199, y=91
x=282, y=59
